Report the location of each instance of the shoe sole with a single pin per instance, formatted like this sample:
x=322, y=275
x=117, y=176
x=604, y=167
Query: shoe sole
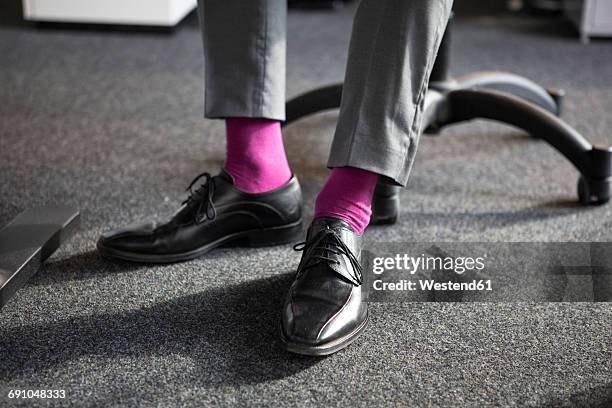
x=254, y=238
x=326, y=348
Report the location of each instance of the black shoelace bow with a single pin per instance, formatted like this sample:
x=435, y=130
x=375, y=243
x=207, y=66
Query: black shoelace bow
x=320, y=248
x=202, y=197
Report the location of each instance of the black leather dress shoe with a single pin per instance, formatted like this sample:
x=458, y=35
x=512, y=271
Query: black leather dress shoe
x=326, y=309
x=214, y=214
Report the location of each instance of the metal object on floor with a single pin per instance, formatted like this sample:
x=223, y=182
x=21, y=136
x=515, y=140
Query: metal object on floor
x=28, y=240
x=498, y=96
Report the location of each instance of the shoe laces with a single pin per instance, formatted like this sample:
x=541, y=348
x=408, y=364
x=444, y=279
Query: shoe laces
x=203, y=198
x=322, y=247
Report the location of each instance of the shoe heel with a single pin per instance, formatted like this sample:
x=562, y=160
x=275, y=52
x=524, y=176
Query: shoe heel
x=385, y=204
x=275, y=236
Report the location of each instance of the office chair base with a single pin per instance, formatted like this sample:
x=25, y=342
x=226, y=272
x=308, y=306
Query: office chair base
x=498, y=96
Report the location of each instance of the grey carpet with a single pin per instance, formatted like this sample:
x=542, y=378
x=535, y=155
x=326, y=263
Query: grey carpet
x=111, y=122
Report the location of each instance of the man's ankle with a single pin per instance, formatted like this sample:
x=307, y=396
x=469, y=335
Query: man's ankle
x=256, y=157
x=347, y=195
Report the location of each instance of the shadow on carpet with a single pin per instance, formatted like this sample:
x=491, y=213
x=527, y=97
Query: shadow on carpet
x=231, y=335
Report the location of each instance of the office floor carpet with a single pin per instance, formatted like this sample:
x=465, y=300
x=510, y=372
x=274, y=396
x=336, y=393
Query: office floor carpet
x=111, y=122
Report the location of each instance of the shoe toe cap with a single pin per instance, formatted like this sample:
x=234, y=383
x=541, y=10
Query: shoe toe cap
x=317, y=322
x=302, y=323
x=126, y=237
x=319, y=317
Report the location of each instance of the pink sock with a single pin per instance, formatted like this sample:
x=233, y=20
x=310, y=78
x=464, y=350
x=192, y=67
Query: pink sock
x=255, y=154
x=347, y=195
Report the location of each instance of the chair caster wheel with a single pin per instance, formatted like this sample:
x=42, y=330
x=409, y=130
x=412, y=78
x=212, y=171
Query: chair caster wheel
x=594, y=192
x=558, y=95
x=385, y=204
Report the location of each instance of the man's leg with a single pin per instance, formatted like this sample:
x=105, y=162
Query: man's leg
x=256, y=199
x=393, y=48
x=245, y=56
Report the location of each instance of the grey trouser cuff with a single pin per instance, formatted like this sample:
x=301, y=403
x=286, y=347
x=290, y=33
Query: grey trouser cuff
x=245, y=52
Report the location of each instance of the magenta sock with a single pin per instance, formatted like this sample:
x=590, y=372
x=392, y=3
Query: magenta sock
x=347, y=195
x=255, y=154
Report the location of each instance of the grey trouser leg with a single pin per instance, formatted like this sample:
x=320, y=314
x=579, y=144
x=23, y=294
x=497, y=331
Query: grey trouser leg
x=245, y=53
x=393, y=48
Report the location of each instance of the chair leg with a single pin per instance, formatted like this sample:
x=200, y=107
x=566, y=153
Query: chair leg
x=593, y=162
x=317, y=100
x=550, y=99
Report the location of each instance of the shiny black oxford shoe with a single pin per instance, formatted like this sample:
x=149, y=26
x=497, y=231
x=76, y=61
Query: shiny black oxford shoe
x=214, y=214
x=326, y=307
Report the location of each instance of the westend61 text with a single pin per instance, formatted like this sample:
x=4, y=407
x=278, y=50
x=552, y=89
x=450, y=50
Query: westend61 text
x=430, y=284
